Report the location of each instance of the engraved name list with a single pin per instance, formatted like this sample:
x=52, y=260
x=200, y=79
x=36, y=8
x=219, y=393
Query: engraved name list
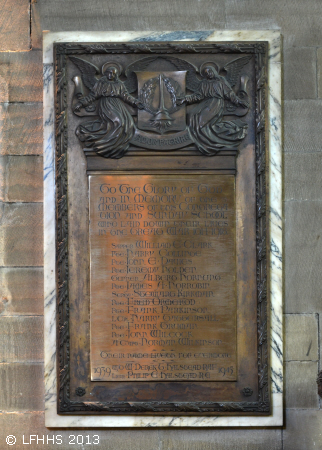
x=163, y=277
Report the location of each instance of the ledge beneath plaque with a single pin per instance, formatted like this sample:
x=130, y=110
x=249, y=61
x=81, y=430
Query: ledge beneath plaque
x=223, y=164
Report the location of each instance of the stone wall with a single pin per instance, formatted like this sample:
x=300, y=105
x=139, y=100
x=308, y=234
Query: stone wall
x=21, y=260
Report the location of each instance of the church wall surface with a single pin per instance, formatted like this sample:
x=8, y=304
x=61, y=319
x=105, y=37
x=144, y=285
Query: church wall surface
x=21, y=236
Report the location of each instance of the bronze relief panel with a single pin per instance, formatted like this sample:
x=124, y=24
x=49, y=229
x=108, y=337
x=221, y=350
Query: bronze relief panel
x=159, y=120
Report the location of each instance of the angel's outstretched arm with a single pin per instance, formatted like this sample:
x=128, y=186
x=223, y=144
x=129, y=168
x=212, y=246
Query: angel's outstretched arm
x=85, y=101
x=88, y=99
x=192, y=98
x=94, y=94
x=230, y=95
x=127, y=98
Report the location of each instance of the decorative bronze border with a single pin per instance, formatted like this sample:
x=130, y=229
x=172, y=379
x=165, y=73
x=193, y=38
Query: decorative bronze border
x=67, y=406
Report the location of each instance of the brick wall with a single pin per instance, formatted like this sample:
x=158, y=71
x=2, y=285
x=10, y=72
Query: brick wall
x=21, y=284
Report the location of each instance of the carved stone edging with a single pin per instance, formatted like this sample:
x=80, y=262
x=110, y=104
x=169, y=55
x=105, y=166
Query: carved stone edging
x=161, y=47
x=319, y=383
x=62, y=233
x=261, y=227
x=67, y=406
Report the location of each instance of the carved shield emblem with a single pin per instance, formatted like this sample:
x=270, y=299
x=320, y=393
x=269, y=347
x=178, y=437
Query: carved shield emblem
x=162, y=123
x=159, y=92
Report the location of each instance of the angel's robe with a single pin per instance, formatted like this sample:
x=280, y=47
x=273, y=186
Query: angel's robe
x=209, y=132
x=109, y=135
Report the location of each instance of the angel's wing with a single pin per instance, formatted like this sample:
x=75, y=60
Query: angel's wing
x=192, y=81
x=233, y=69
x=88, y=71
x=131, y=82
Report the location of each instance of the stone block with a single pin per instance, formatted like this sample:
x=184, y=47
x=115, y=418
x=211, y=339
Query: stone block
x=21, y=129
x=303, y=430
x=21, y=77
x=300, y=385
x=32, y=426
x=14, y=25
x=19, y=424
x=299, y=21
x=4, y=85
x=319, y=68
x=21, y=234
x=132, y=15
x=21, y=291
x=21, y=339
x=205, y=439
x=36, y=31
x=320, y=344
x=301, y=343
x=22, y=387
x=303, y=257
x=302, y=126
x=136, y=439
x=21, y=178
x=300, y=84
x=302, y=175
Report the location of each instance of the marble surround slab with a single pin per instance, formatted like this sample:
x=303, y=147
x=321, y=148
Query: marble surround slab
x=275, y=219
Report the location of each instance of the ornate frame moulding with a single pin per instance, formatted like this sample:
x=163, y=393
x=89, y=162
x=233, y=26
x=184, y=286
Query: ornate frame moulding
x=56, y=266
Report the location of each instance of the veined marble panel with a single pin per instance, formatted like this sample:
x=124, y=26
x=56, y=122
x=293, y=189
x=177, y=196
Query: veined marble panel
x=275, y=217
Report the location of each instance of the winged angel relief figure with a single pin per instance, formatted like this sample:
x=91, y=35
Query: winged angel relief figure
x=111, y=133
x=207, y=128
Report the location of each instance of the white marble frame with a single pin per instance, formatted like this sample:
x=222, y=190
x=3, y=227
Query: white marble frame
x=275, y=219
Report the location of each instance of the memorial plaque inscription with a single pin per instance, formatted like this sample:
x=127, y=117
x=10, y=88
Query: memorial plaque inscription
x=163, y=277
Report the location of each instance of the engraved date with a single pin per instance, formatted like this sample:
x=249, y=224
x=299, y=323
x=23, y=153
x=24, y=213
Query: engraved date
x=226, y=370
x=102, y=371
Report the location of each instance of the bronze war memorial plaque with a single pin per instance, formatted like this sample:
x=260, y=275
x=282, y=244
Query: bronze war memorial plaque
x=163, y=277
x=162, y=231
